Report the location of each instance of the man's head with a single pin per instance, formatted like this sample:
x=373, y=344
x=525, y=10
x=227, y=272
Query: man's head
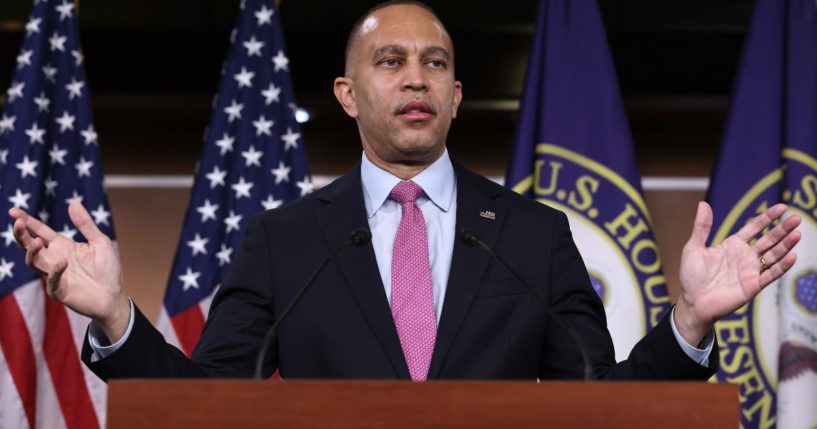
x=399, y=84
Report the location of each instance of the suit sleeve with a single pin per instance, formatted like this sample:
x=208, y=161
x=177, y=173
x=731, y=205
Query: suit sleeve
x=240, y=315
x=658, y=356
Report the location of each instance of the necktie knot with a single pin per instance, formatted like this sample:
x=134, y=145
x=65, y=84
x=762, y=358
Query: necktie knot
x=406, y=192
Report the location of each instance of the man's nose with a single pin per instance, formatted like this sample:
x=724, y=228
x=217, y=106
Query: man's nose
x=415, y=78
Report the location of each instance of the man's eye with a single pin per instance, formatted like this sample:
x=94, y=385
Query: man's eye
x=437, y=64
x=390, y=62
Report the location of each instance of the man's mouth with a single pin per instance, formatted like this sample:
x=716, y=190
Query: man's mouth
x=416, y=111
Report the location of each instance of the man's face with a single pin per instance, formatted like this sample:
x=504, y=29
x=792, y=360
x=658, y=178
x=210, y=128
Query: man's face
x=400, y=86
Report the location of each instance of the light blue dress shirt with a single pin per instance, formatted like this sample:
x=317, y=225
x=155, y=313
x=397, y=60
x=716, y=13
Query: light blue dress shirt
x=439, y=206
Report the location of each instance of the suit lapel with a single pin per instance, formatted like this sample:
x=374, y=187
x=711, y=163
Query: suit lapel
x=475, y=201
x=340, y=212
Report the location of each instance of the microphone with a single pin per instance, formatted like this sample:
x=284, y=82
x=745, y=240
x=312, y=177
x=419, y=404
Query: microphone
x=359, y=237
x=470, y=238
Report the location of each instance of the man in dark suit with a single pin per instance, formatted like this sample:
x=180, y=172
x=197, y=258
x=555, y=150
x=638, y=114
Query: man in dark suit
x=463, y=314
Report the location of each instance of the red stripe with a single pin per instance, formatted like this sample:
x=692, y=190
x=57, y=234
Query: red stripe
x=188, y=325
x=65, y=367
x=15, y=343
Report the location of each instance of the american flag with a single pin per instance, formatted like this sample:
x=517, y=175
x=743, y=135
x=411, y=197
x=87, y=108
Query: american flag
x=49, y=156
x=253, y=159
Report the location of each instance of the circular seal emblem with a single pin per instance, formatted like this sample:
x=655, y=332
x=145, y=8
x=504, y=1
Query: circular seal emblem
x=749, y=343
x=612, y=230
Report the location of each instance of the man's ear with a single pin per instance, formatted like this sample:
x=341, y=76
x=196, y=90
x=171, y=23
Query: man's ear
x=457, y=97
x=345, y=93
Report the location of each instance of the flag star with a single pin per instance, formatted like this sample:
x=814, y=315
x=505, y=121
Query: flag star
x=281, y=173
x=232, y=221
x=290, y=139
x=27, y=167
x=7, y=124
x=208, y=211
x=8, y=235
x=305, y=186
x=244, y=78
x=252, y=157
x=90, y=135
x=262, y=126
x=43, y=216
x=16, y=91
x=101, y=216
x=5, y=269
x=216, y=177
x=57, y=155
x=66, y=121
x=234, y=110
x=264, y=15
x=83, y=167
x=68, y=232
x=190, y=279
x=74, y=88
x=42, y=102
x=4, y=153
x=65, y=10
x=281, y=61
x=50, y=186
x=225, y=143
x=20, y=199
x=271, y=94
x=78, y=56
x=33, y=26
x=57, y=42
x=253, y=46
x=242, y=188
x=24, y=59
x=75, y=197
x=50, y=72
x=271, y=203
x=232, y=40
x=35, y=134
x=197, y=245
x=223, y=255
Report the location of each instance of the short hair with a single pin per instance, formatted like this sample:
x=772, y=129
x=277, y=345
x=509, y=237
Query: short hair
x=359, y=23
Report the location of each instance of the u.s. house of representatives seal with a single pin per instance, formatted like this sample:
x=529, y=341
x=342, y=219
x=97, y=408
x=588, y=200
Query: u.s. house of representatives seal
x=784, y=312
x=612, y=229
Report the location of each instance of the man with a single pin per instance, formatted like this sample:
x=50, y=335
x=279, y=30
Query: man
x=416, y=303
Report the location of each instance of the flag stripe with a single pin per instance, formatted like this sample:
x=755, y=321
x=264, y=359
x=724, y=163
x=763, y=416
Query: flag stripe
x=18, y=352
x=12, y=411
x=65, y=368
x=188, y=325
x=97, y=389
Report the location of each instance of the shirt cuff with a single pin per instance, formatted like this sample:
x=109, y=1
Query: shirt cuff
x=100, y=344
x=698, y=355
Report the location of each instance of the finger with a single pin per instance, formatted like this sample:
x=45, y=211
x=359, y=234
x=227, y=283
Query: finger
x=776, y=234
x=21, y=234
x=761, y=221
x=778, y=269
x=702, y=225
x=82, y=220
x=781, y=249
x=32, y=252
x=39, y=229
x=53, y=279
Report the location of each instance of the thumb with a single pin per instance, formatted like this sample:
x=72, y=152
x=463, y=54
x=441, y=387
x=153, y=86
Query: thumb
x=82, y=220
x=702, y=225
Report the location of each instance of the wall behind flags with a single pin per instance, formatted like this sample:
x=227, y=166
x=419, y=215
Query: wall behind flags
x=153, y=68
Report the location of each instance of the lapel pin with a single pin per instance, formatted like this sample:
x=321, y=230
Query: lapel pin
x=487, y=214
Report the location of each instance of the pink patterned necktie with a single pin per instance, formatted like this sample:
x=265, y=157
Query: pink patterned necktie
x=412, y=302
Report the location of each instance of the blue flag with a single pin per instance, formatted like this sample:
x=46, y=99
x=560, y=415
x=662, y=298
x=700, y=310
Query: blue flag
x=573, y=151
x=253, y=160
x=49, y=156
x=769, y=155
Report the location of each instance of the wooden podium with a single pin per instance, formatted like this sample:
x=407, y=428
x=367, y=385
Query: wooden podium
x=200, y=404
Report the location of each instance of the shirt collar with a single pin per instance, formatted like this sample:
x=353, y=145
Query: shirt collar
x=437, y=180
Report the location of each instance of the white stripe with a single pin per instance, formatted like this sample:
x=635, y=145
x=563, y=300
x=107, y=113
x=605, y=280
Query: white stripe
x=164, y=326
x=31, y=300
x=97, y=389
x=648, y=183
x=204, y=304
x=12, y=413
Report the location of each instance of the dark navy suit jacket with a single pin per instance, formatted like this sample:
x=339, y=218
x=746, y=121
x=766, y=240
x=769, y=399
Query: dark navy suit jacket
x=490, y=327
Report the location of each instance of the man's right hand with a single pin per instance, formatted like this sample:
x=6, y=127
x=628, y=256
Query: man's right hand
x=86, y=277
